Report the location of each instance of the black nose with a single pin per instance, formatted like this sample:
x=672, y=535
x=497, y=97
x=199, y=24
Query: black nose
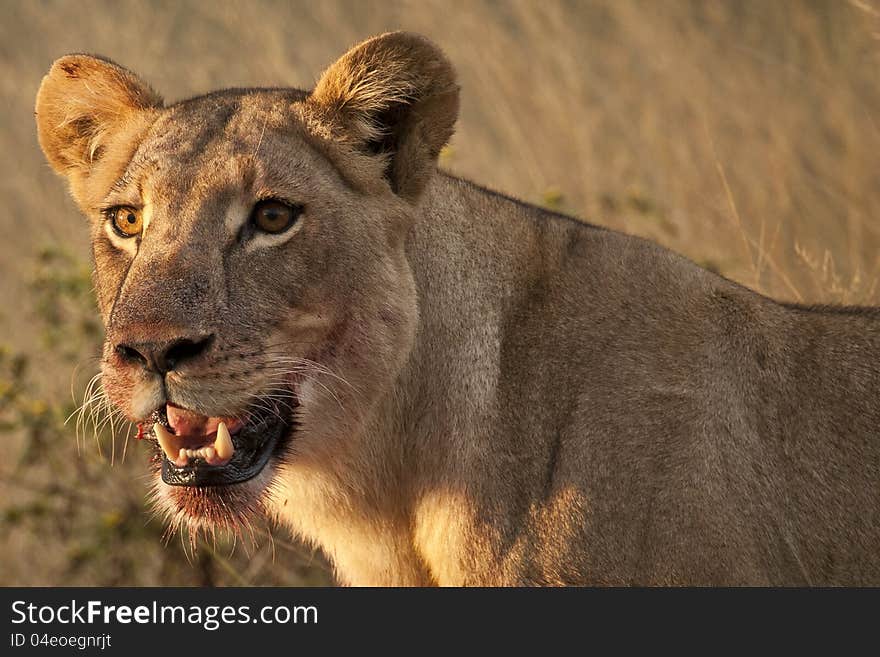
x=163, y=357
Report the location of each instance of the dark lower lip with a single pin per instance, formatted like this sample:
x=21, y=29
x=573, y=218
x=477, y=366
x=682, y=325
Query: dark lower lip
x=255, y=444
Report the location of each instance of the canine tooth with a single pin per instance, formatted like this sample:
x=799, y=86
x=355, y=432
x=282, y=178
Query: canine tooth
x=223, y=443
x=166, y=441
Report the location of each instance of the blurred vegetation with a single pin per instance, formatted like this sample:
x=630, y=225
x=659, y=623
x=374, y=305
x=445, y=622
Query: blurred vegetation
x=744, y=134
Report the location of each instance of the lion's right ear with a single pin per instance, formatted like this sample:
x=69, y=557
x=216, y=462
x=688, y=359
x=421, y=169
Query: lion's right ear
x=394, y=97
x=84, y=106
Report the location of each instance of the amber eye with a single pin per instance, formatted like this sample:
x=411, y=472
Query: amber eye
x=127, y=222
x=272, y=216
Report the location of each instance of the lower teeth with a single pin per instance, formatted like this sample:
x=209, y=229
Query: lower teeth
x=217, y=453
x=203, y=453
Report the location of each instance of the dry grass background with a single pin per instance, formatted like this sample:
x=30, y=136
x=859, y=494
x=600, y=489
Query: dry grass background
x=745, y=134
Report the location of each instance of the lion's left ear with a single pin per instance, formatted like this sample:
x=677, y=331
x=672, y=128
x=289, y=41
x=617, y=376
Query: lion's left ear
x=89, y=113
x=393, y=96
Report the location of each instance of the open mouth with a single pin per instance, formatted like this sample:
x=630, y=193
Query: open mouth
x=199, y=450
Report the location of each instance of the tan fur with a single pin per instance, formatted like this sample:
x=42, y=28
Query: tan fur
x=489, y=393
x=91, y=109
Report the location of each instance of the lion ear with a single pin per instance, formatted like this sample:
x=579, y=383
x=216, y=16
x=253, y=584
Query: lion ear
x=393, y=96
x=84, y=104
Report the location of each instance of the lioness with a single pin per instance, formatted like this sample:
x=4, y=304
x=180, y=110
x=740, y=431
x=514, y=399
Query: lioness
x=435, y=383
